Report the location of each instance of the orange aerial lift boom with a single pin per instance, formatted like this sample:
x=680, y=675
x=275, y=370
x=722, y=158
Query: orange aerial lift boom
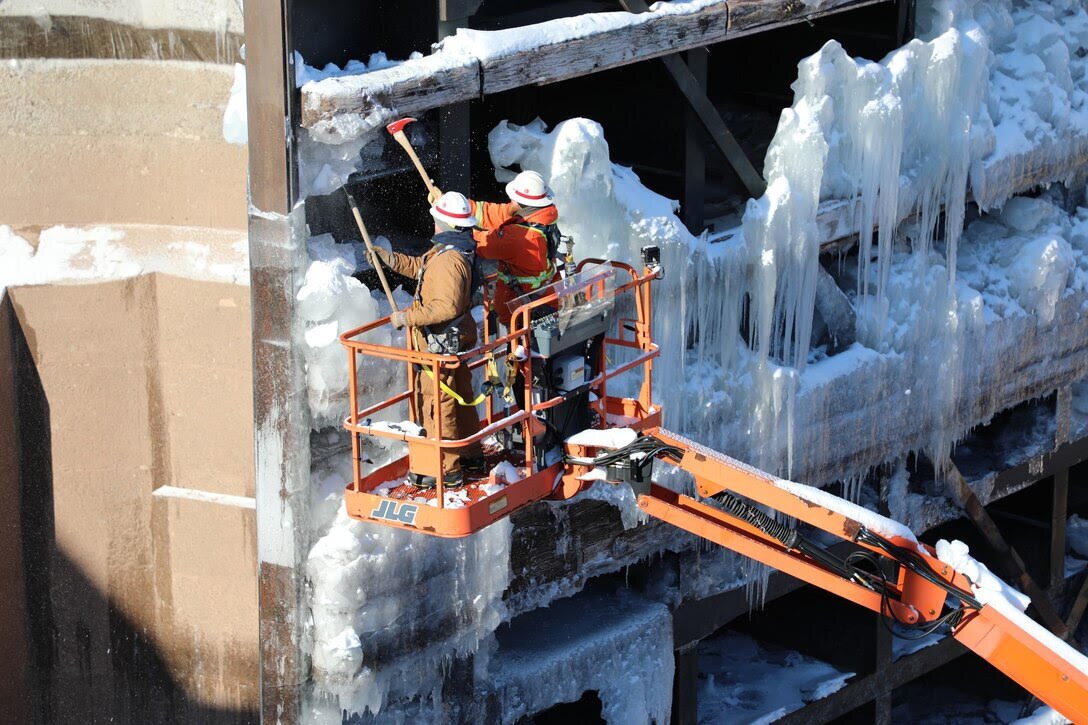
x=572, y=411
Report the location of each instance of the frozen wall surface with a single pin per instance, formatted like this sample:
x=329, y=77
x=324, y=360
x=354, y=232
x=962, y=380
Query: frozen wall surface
x=618, y=645
x=958, y=316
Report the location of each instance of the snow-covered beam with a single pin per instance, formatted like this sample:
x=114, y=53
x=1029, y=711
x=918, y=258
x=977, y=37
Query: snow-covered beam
x=476, y=63
x=1061, y=159
x=857, y=418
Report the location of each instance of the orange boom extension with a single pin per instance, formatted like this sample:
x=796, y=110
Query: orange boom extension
x=556, y=427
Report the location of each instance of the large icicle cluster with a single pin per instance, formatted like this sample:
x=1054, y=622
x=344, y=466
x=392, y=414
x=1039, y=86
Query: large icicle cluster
x=392, y=609
x=920, y=130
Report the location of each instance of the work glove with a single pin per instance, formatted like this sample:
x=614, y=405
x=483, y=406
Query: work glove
x=397, y=319
x=381, y=254
x=432, y=196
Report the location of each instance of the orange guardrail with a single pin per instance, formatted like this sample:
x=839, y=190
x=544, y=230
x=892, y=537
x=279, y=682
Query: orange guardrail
x=516, y=347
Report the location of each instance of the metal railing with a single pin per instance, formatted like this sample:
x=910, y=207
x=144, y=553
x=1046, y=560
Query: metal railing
x=516, y=347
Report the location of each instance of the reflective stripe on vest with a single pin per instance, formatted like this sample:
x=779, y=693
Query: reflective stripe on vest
x=534, y=281
x=531, y=282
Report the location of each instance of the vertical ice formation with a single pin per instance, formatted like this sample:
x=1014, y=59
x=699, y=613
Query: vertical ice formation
x=235, y=130
x=722, y=392
x=895, y=136
x=392, y=609
x=619, y=645
x=330, y=303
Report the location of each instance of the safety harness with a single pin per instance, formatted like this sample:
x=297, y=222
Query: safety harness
x=491, y=382
x=448, y=340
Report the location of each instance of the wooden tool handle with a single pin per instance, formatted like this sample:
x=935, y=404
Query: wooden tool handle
x=370, y=248
x=403, y=141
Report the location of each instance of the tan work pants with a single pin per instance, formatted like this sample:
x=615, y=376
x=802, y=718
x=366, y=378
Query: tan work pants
x=458, y=421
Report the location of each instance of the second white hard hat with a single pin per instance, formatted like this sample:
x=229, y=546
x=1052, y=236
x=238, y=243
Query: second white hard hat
x=453, y=208
x=529, y=189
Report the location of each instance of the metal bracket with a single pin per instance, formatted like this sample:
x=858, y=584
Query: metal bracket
x=457, y=9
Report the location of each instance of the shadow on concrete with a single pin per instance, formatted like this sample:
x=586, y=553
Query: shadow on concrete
x=86, y=661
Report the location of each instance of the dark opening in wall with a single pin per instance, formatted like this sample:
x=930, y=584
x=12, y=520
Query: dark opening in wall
x=643, y=113
x=336, y=31
x=585, y=711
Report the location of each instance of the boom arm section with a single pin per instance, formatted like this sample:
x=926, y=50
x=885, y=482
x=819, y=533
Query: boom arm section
x=890, y=572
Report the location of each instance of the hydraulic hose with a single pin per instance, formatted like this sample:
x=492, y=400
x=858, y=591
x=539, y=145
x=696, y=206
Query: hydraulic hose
x=761, y=520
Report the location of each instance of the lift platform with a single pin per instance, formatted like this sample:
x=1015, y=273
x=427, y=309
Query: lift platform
x=580, y=354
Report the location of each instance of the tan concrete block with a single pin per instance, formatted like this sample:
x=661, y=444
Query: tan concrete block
x=205, y=370
x=119, y=142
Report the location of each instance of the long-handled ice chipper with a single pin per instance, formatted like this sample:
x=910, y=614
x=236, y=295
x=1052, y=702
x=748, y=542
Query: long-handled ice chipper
x=581, y=354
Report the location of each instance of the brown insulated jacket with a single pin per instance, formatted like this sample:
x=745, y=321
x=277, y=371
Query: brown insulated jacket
x=443, y=292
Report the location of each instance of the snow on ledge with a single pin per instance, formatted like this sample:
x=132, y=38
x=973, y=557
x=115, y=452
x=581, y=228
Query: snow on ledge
x=869, y=519
x=489, y=45
x=92, y=254
x=956, y=555
x=607, y=438
x=193, y=494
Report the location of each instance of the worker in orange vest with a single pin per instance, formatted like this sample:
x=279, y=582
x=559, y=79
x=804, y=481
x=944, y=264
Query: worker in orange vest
x=516, y=234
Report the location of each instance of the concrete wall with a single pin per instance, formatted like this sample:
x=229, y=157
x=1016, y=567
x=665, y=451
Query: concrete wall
x=149, y=555
x=13, y=603
x=127, y=532
x=118, y=142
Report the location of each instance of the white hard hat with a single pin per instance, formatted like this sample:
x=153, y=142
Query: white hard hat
x=452, y=208
x=529, y=189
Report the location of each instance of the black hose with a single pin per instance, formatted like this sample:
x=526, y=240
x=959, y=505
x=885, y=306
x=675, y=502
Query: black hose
x=757, y=518
x=916, y=564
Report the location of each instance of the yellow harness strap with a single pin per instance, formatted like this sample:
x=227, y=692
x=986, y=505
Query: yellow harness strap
x=492, y=381
x=454, y=394
x=511, y=379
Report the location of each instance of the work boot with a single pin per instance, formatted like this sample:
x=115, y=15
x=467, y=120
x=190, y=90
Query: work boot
x=454, y=479
x=420, y=480
x=474, y=465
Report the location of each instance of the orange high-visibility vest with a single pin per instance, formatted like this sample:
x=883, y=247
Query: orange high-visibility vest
x=520, y=249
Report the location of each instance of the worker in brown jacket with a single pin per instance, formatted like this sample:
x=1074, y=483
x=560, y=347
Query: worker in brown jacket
x=440, y=321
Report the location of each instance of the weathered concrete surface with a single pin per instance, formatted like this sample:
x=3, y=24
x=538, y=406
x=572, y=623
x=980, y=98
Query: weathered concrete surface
x=92, y=142
x=141, y=536
x=223, y=16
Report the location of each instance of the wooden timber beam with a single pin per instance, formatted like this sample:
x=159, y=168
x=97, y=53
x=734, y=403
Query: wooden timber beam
x=695, y=93
x=1007, y=556
x=343, y=108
